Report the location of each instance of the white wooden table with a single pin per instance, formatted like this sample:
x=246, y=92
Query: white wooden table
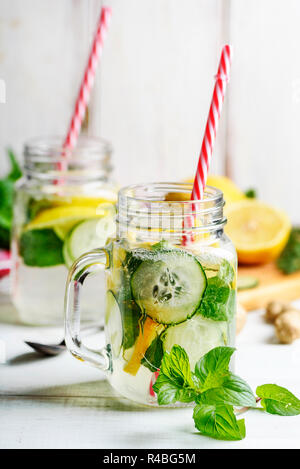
x=60, y=403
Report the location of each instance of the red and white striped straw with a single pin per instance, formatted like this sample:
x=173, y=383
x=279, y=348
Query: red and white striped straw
x=88, y=79
x=214, y=114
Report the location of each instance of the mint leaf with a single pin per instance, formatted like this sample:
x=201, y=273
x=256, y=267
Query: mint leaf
x=227, y=310
x=213, y=366
x=278, y=400
x=165, y=389
x=6, y=200
x=41, y=248
x=4, y=238
x=168, y=392
x=233, y=391
x=226, y=272
x=214, y=303
x=163, y=244
x=6, y=203
x=186, y=395
x=153, y=356
x=218, y=421
x=218, y=384
x=176, y=366
x=289, y=260
x=15, y=172
x=175, y=382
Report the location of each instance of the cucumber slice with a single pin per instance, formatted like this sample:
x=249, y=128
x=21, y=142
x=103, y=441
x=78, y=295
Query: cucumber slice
x=197, y=336
x=246, y=282
x=113, y=323
x=90, y=234
x=168, y=285
x=130, y=312
x=68, y=259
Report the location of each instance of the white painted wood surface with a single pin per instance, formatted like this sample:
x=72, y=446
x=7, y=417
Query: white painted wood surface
x=62, y=403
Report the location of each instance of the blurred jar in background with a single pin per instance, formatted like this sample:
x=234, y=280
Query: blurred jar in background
x=64, y=206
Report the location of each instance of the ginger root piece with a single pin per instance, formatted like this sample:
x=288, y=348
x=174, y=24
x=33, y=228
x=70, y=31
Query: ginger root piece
x=241, y=318
x=287, y=326
x=274, y=309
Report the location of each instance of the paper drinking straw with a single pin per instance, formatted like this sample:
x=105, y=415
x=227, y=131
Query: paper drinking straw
x=222, y=77
x=88, y=80
x=214, y=114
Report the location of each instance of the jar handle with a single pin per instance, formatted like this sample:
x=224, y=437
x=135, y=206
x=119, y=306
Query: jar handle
x=89, y=263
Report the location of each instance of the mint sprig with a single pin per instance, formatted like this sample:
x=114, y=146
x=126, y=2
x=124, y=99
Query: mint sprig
x=215, y=391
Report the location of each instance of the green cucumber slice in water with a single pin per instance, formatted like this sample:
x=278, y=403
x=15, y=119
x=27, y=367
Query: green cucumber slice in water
x=130, y=312
x=88, y=235
x=168, y=285
x=197, y=336
x=68, y=259
x=113, y=323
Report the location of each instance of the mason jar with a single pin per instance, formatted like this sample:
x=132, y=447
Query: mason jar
x=64, y=206
x=171, y=280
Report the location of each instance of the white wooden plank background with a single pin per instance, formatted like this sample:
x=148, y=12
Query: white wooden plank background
x=264, y=111
x=152, y=90
x=154, y=84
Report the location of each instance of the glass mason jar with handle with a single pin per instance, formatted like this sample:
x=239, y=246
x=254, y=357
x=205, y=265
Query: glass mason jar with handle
x=64, y=206
x=166, y=284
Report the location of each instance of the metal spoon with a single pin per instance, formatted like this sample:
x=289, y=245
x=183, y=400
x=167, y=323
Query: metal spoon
x=50, y=350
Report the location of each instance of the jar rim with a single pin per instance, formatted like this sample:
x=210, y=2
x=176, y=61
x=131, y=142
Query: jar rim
x=50, y=147
x=45, y=158
x=143, y=206
x=212, y=195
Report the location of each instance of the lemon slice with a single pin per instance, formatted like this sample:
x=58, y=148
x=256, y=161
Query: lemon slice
x=86, y=201
x=258, y=231
x=63, y=218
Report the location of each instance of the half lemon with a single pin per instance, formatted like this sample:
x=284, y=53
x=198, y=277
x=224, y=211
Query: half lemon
x=258, y=231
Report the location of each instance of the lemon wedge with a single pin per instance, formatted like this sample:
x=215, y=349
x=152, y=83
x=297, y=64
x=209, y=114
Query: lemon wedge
x=63, y=218
x=258, y=231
